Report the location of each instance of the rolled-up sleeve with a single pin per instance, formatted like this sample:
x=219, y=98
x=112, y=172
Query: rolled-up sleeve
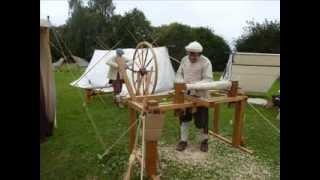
x=207, y=74
x=128, y=61
x=111, y=62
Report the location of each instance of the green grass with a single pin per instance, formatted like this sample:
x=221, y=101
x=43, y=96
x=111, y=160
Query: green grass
x=71, y=153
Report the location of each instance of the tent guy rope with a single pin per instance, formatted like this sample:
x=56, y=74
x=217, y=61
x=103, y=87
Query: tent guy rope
x=264, y=118
x=84, y=104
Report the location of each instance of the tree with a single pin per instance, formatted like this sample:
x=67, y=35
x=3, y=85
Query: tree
x=215, y=47
x=95, y=26
x=81, y=31
x=85, y=25
x=132, y=28
x=103, y=7
x=260, y=37
x=176, y=36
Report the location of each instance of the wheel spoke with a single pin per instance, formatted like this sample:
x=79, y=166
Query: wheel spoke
x=148, y=79
x=138, y=84
x=143, y=84
x=148, y=62
x=151, y=69
x=139, y=57
x=136, y=64
x=142, y=57
x=144, y=62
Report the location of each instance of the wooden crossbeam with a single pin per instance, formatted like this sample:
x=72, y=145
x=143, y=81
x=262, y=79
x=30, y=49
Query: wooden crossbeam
x=216, y=100
x=225, y=140
x=197, y=101
x=152, y=97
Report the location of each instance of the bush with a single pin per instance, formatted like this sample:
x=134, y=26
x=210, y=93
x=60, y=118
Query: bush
x=260, y=37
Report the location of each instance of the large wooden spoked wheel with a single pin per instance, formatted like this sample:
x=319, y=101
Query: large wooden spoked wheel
x=145, y=69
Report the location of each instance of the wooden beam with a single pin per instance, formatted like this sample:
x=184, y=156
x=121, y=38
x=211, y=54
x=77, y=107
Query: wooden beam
x=234, y=89
x=133, y=118
x=215, y=100
x=152, y=97
x=237, y=124
x=179, y=88
x=168, y=107
x=225, y=140
x=135, y=105
x=198, y=101
x=151, y=158
x=178, y=98
x=220, y=137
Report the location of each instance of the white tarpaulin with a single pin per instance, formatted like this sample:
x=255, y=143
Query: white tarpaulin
x=256, y=72
x=258, y=101
x=95, y=76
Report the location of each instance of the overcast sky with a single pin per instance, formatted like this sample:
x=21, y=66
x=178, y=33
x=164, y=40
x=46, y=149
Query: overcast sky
x=227, y=18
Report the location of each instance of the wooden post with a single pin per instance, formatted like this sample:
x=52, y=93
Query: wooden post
x=88, y=95
x=179, y=95
x=133, y=118
x=151, y=156
x=234, y=89
x=242, y=142
x=216, y=118
x=179, y=92
x=238, y=123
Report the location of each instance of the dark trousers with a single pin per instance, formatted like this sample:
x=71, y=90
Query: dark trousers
x=117, y=84
x=200, y=118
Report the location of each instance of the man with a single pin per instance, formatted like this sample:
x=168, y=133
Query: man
x=194, y=68
x=115, y=78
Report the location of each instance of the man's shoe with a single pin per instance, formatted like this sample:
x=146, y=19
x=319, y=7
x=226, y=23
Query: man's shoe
x=204, y=146
x=182, y=145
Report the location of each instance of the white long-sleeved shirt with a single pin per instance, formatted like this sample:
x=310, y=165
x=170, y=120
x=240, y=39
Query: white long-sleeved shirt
x=112, y=74
x=197, y=72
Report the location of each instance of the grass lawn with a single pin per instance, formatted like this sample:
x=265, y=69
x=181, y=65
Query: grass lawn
x=71, y=153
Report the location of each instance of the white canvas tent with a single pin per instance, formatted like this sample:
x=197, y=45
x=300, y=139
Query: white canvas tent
x=95, y=76
x=256, y=72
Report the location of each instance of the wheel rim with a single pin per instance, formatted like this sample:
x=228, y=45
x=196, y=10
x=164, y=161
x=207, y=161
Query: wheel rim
x=145, y=69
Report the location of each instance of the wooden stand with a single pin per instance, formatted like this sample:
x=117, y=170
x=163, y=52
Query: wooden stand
x=149, y=104
x=182, y=101
x=151, y=145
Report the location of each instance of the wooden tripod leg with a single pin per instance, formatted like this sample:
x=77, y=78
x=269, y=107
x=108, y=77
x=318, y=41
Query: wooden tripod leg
x=242, y=141
x=216, y=118
x=88, y=95
x=238, y=121
x=151, y=158
x=133, y=118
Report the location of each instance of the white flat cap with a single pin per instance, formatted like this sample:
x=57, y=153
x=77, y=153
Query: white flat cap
x=194, y=47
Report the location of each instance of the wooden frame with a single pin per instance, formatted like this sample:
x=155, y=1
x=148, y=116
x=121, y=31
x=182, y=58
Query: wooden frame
x=137, y=105
x=180, y=101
